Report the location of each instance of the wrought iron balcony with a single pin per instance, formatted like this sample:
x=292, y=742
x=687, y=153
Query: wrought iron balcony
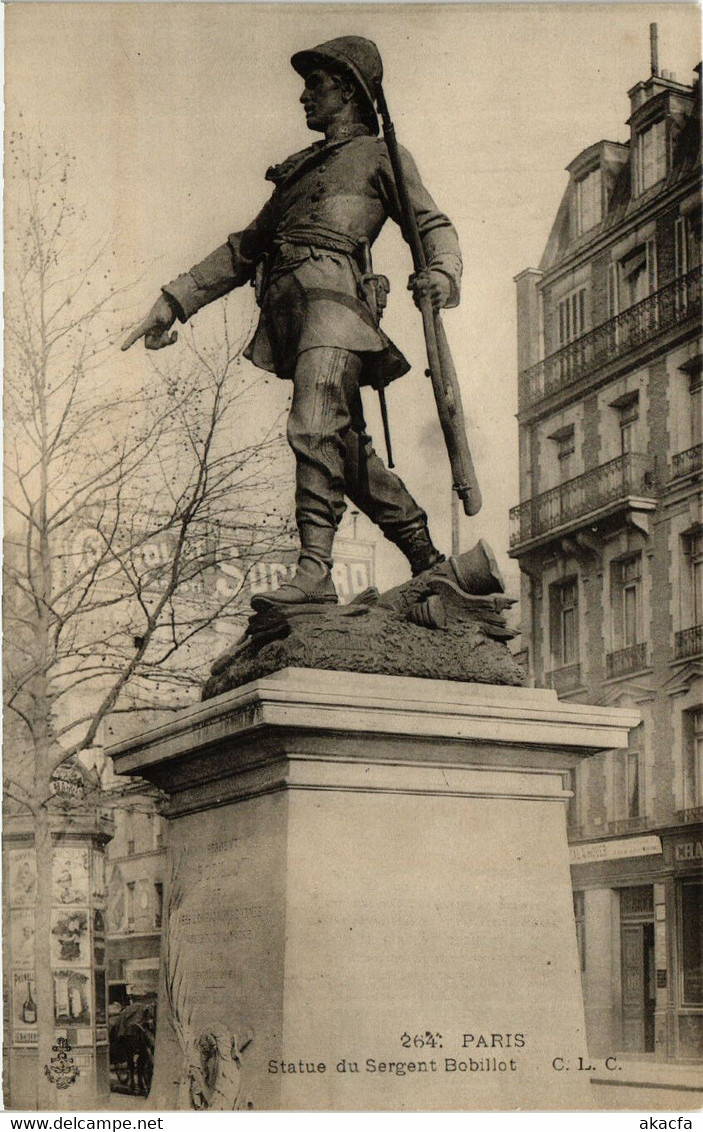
x=564, y=679
x=629, y=825
x=582, y=496
x=689, y=642
x=622, y=661
x=690, y=815
x=666, y=308
x=686, y=462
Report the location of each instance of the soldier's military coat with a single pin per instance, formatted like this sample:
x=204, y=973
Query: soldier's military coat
x=304, y=248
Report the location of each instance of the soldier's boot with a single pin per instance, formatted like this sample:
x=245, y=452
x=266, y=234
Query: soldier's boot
x=312, y=582
x=414, y=540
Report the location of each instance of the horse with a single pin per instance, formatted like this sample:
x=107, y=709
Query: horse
x=132, y=1047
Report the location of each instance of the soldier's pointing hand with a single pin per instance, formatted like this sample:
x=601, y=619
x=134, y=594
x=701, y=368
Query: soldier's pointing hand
x=154, y=329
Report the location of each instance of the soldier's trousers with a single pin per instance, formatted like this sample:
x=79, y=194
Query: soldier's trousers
x=334, y=454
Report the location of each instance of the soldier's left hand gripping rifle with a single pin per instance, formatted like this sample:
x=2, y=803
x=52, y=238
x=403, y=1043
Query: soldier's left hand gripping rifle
x=441, y=369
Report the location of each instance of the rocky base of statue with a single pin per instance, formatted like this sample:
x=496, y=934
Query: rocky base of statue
x=448, y=624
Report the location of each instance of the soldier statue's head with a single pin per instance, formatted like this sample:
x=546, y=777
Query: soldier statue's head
x=341, y=73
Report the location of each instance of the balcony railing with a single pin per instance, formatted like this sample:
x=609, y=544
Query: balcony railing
x=619, y=478
x=622, y=661
x=629, y=825
x=686, y=462
x=564, y=679
x=690, y=815
x=689, y=642
x=666, y=308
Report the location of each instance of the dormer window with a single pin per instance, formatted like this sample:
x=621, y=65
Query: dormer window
x=651, y=155
x=589, y=201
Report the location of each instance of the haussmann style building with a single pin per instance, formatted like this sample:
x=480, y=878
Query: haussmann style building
x=609, y=538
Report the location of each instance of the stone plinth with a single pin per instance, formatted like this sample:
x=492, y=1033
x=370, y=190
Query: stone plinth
x=369, y=870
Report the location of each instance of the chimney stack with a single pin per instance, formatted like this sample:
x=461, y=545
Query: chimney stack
x=654, y=48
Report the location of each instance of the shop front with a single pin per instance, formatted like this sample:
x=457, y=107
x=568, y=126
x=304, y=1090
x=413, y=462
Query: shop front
x=639, y=920
x=683, y=854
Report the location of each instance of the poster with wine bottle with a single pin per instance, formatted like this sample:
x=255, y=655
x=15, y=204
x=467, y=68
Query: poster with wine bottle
x=24, y=1008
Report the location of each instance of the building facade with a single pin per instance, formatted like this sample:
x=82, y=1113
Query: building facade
x=609, y=538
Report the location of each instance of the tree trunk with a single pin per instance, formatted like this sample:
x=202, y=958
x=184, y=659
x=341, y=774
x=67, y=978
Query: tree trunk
x=46, y=1092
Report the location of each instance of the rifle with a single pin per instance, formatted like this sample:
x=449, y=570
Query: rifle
x=441, y=370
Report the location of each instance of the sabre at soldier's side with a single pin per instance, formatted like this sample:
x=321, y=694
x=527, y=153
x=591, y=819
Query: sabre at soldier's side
x=308, y=254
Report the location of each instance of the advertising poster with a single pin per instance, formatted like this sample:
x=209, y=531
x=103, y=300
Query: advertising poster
x=70, y=937
x=70, y=875
x=72, y=998
x=22, y=937
x=24, y=1008
x=23, y=877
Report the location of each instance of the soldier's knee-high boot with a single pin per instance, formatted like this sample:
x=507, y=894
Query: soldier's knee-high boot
x=312, y=581
x=383, y=496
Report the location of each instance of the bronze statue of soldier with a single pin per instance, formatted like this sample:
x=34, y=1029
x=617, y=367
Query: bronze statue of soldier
x=307, y=252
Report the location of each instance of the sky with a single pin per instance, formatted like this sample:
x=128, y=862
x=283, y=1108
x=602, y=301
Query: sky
x=175, y=110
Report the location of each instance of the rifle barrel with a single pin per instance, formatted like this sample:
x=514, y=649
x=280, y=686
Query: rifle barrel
x=441, y=371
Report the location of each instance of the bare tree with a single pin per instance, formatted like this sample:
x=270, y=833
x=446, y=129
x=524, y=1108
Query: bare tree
x=133, y=514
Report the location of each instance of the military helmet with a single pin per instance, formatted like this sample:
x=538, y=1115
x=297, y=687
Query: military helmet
x=358, y=57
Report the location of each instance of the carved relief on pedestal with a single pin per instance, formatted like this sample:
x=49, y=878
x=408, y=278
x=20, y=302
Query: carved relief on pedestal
x=211, y=1069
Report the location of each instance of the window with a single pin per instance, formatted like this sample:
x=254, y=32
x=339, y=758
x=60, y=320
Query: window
x=687, y=256
x=580, y=917
x=637, y=275
x=632, y=783
x=698, y=756
x=589, y=201
x=626, y=587
x=564, y=440
x=687, y=243
x=692, y=578
x=692, y=728
x=651, y=155
x=157, y=832
x=691, y=941
x=158, y=904
x=564, y=627
x=130, y=905
x=572, y=316
x=628, y=415
x=696, y=392
x=696, y=558
x=129, y=832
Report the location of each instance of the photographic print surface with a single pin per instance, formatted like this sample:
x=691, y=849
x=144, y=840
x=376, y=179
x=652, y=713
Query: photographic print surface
x=449, y=842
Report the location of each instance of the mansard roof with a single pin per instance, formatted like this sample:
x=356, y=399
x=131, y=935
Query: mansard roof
x=614, y=160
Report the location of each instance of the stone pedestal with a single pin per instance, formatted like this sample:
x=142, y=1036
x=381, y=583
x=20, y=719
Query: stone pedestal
x=370, y=874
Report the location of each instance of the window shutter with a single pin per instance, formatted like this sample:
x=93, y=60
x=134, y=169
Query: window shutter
x=555, y=623
x=680, y=266
x=651, y=266
x=613, y=297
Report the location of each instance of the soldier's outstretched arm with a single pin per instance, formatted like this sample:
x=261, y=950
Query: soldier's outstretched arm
x=229, y=266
